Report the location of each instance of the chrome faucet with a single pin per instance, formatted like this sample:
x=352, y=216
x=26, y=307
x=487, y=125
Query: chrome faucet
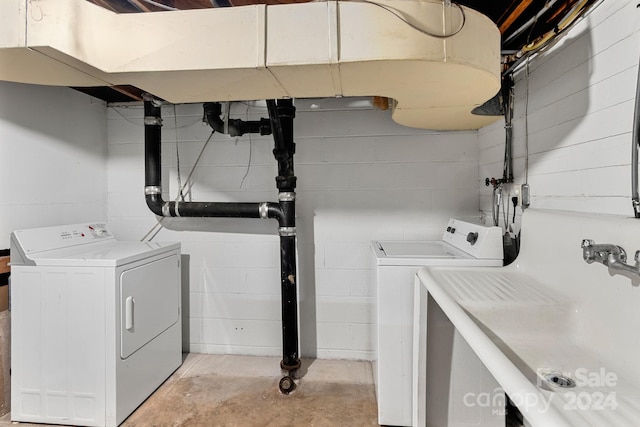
x=613, y=256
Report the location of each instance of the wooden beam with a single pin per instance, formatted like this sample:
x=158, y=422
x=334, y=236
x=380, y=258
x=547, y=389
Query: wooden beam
x=515, y=14
x=125, y=91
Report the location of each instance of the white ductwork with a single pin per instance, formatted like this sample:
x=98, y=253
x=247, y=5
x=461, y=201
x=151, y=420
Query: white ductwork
x=303, y=50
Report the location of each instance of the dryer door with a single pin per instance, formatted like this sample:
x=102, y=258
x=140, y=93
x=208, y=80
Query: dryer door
x=149, y=302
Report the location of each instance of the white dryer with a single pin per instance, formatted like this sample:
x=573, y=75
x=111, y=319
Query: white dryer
x=95, y=324
x=397, y=262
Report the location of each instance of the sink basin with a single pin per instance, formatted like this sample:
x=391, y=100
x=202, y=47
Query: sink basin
x=559, y=336
x=541, y=348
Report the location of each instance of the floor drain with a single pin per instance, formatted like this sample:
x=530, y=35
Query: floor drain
x=560, y=380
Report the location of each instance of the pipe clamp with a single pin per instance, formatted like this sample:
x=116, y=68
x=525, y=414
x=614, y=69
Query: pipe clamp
x=287, y=231
x=150, y=98
x=152, y=121
x=263, y=209
x=165, y=209
x=152, y=189
x=287, y=196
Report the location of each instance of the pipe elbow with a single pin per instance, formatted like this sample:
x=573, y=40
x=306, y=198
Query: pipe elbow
x=274, y=211
x=155, y=203
x=212, y=112
x=233, y=127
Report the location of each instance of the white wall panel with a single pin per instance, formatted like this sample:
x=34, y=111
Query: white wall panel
x=52, y=157
x=580, y=111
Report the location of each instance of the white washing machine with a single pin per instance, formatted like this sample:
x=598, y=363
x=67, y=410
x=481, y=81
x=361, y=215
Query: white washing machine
x=397, y=262
x=95, y=324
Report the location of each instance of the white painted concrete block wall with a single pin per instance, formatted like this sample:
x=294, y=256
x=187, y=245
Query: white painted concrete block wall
x=580, y=110
x=52, y=157
x=360, y=177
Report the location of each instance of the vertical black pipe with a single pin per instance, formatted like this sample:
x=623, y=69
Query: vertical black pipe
x=152, y=155
x=290, y=357
x=152, y=138
x=285, y=148
x=282, y=115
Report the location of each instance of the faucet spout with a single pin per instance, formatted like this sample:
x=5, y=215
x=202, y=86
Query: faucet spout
x=617, y=266
x=613, y=256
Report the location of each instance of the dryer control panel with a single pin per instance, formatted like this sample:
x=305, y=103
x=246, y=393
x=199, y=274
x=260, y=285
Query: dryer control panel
x=37, y=240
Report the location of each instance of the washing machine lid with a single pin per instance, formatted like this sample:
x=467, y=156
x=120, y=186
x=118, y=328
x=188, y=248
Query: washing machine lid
x=418, y=253
x=428, y=249
x=463, y=244
x=90, y=244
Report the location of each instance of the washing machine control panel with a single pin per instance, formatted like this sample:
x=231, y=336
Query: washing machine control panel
x=477, y=240
x=59, y=237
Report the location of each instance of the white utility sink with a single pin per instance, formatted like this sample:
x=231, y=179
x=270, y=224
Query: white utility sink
x=561, y=337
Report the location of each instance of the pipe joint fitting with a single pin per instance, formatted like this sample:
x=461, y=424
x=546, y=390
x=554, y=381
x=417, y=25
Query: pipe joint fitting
x=263, y=209
x=286, y=183
x=287, y=231
x=152, y=121
x=287, y=196
x=152, y=189
x=150, y=98
x=165, y=209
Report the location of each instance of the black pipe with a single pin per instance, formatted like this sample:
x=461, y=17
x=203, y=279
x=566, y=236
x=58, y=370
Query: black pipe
x=282, y=115
x=290, y=360
x=280, y=120
x=153, y=180
x=152, y=139
x=285, y=148
x=235, y=127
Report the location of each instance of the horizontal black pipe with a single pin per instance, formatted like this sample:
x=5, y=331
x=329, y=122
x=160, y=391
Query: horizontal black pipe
x=235, y=127
x=225, y=210
x=218, y=209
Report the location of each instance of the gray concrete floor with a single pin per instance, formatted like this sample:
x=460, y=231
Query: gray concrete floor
x=223, y=390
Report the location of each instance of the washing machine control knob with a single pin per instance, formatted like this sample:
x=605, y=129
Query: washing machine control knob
x=98, y=230
x=472, y=238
